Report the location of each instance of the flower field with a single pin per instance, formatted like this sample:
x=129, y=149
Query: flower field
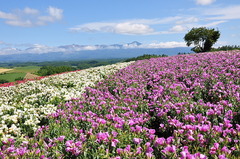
x=25, y=106
x=172, y=107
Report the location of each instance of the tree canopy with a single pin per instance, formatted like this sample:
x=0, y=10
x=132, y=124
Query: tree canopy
x=203, y=38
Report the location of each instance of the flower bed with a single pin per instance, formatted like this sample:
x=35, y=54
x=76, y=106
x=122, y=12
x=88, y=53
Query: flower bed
x=24, y=105
x=176, y=107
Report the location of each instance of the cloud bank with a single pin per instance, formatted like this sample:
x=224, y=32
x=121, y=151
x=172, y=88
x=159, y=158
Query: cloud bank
x=29, y=17
x=204, y=2
x=42, y=49
x=227, y=13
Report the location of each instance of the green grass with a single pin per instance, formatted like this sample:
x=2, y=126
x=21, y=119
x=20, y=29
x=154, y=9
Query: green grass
x=12, y=76
x=26, y=69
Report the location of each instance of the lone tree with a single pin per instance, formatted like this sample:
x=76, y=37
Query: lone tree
x=202, y=38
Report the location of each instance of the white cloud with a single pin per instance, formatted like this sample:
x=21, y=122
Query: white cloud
x=29, y=17
x=215, y=23
x=135, y=29
x=227, y=13
x=4, y=15
x=119, y=28
x=54, y=15
x=187, y=20
x=127, y=27
x=178, y=28
x=204, y=2
x=18, y=22
x=171, y=44
x=30, y=11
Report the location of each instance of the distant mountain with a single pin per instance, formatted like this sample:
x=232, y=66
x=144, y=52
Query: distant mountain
x=87, y=52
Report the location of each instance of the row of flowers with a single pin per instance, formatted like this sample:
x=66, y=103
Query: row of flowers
x=25, y=105
x=173, y=107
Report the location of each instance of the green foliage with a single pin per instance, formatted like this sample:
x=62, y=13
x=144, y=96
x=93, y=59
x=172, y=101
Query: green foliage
x=3, y=81
x=19, y=79
x=11, y=77
x=50, y=70
x=93, y=63
x=145, y=56
x=26, y=69
x=227, y=48
x=202, y=38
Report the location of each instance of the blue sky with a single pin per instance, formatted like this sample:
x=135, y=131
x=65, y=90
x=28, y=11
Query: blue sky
x=45, y=25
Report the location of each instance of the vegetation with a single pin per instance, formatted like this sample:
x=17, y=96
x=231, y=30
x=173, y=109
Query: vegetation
x=25, y=69
x=145, y=56
x=227, y=48
x=50, y=70
x=202, y=38
x=3, y=81
x=11, y=77
x=95, y=63
x=80, y=64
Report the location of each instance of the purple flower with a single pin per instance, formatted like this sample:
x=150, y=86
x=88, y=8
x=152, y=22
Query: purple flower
x=114, y=142
x=139, y=150
x=137, y=140
x=222, y=157
x=61, y=138
x=159, y=141
x=191, y=138
x=102, y=136
x=119, y=151
x=149, y=150
x=128, y=148
x=169, y=149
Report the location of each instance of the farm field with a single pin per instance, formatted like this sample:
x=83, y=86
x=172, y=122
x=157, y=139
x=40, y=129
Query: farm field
x=17, y=73
x=2, y=70
x=12, y=76
x=25, y=69
x=185, y=106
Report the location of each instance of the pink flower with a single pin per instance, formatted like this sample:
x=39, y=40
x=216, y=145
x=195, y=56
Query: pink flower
x=159, y=141
x=102, y=136
x=114, y=142
x=149, y=150
x=137, y=140
x=128, y=148
x=139, y=150
x=119, y=151
x=222, y=157
x=191, y=138
x=226, y=150
x=169, y=149
x=61, y=138
x=152, y=131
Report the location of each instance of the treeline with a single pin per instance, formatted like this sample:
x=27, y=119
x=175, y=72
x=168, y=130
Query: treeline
x=50, y=70
x=145, y=56
x=226, y=48
x=62, y=63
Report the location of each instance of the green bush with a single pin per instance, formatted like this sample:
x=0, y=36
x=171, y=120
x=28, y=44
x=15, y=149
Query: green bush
x=3, y=81
x=50, y=70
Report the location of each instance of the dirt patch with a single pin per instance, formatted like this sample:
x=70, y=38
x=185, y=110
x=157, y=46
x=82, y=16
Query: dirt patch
x=2, y=70
x=31, y=76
